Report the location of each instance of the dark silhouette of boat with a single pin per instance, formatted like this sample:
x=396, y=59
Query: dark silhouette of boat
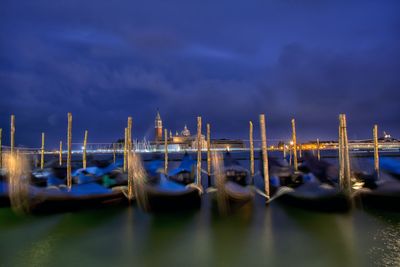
x=48, y=193
x=314, y=190
x=380, y=192
x=79, y=197
x=385, y=196
x=160, y=194
x=235, y=190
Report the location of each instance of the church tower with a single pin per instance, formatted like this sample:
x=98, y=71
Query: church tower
x=158, y=128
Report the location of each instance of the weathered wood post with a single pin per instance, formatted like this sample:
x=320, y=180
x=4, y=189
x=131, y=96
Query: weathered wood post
x=114, y=152
x=264, y=154
x=125, y=149
x=129, y=134
x=198, y=173
x=340, y=153
x=1, y=148
x=300, y=151
x=208, y=155
x=251, y=149
x=344, y=159
x=165, y=151
x=84, y=150
x=42, y=153
x=131, y=172
x=12, y=134
x=318, y=150
x=376, y=150
x=284, y=151
x=69, y=147
x=294, y=140
x=60, y=154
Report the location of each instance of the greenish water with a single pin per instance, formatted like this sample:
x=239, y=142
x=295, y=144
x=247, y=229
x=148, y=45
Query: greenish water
x=271, y=235
x=268, y=236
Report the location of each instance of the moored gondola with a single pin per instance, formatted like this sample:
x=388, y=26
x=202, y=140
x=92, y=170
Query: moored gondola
x=233, y=186
x=54, y=197
x=314, y=195
x=313, y=192
x=79, y=197
x=384, y=196
x=159, y=194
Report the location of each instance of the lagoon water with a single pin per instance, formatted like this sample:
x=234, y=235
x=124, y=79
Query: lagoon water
x=271, y=235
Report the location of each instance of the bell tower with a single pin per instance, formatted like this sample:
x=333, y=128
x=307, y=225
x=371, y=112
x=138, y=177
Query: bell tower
x=158, y=127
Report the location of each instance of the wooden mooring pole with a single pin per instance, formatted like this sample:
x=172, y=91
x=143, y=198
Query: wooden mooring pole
x=84, y=150
x=376, y=150
x=294, y=140
x=208, y=155
x=69, y=148
x=12, y=134
x=251, y=149
x=199, y=145
x=42, y=153
x=284, y=151
x=129, y=134
x=264, y=155
x=114, y=152
x=1, y=148
x=125, y=149
x=165, y=151
x=344, y=159
x=318, y=150
x=60, y=154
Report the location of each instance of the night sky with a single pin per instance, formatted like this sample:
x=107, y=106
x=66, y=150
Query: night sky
x=104, y=60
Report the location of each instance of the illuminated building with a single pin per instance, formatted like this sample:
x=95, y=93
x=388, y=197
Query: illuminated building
x=185, y=140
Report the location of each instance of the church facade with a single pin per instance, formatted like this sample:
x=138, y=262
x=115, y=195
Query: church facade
x=185, y=140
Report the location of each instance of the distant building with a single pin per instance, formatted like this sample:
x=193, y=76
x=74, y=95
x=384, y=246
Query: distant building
x=158, y=128
x=185, y=140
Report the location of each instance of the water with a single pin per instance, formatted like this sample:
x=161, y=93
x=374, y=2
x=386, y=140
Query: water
x=267, y=236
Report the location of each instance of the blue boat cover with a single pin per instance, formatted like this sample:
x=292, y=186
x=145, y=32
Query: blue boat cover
x=155, y=167
x=186, y=165
x=3, y=188
x=86, y=189
x=167, y=185
x=54, y=181
x=390, y=165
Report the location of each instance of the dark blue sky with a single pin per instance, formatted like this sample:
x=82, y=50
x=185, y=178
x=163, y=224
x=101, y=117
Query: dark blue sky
x=104, y=60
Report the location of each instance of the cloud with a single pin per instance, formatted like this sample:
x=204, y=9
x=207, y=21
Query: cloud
x=104, y=62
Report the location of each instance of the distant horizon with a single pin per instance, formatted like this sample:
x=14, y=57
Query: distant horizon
x=52, y=141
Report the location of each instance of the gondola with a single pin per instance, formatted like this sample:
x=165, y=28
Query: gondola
x=185, y=173
x=55, y=197
x=314, y=195
x=313, y=190
x=79, y=197
x=385, y=195
x=235, y=190
x=379, y=191
x=160, y=194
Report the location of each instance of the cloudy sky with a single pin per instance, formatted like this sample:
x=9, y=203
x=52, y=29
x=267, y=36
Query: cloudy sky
x=225, y=60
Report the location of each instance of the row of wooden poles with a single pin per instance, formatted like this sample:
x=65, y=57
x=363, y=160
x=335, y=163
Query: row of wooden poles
x=343, y=148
